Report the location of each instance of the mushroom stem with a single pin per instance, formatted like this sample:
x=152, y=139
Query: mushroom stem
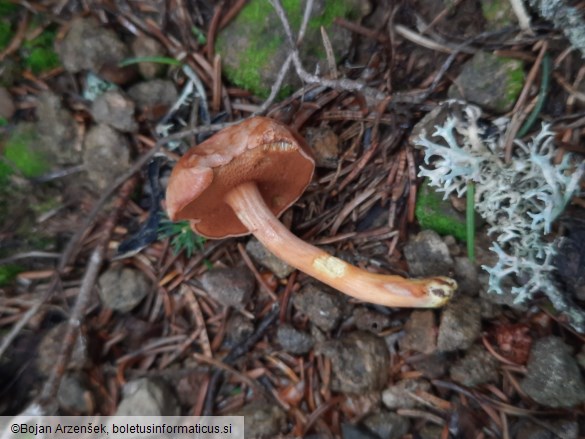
x=388, y=290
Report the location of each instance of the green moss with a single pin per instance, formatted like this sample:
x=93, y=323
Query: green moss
x=515, y=81
x=9, y=272
x=5, y=173
x=38, y=54
x=5, y=33
x=434, y=213
x=19, y=152
x=7, y=8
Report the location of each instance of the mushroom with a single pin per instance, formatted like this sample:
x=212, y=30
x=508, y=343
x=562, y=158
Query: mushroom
x=241, y=179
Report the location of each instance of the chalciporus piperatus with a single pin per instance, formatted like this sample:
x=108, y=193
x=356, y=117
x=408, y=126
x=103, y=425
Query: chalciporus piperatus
x=241, y=179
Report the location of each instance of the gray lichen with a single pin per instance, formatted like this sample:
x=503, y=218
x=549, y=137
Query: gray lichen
x=519, y=200
x=565, y=18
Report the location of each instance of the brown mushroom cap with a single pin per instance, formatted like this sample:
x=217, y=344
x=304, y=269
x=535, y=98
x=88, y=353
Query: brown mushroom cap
x=258, y=150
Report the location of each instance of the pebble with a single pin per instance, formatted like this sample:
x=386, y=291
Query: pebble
x=460, y=324
x=387, y=425
x=238, y=328
x=148, y=397
x=359, y=361
x=116, y=110
x=398, y=396
x=552, y=375
x=294, y=341
x=229, y=286
x=263, y=257
x=420, y=333
x=368, y=320
x=477, y=367
x=123, y=288
x=262, y=420
x=322, y=307
x=427, y=255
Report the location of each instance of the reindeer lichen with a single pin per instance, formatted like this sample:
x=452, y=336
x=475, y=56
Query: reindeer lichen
x=519, y=200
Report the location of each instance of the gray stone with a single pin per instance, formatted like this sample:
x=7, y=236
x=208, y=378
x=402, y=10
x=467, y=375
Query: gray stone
x=428, y=255
x=432, y=366
x=253, y=46
x=156, y=92
x=229, y=286
x=144, y=46
x=263, y=257
x=106, y=156
x=123, y=288
x=420, y=332
x=57, y=130
x=368, y=320
x=148, y=397
x=262, y=420
x=554, y=429
x=466, y=275
x=74, y=396
x=7, y=107
x=552, y=376
x=237, y=329
x=323, y=308
x=399, y=396
x=506, y=298
x=387, y=425
x=359, y=361
x=294, y=341
x=460, y=324
x=89, y=46
x=50, y=347
x=490, y=81
x=116, y=110
x=477, y=367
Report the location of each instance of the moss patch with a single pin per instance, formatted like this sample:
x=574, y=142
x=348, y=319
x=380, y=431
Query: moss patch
x=434, y=213
x=38, y=54
x=9, y=272
x=20, y=153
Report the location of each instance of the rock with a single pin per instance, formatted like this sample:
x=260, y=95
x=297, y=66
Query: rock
x=116, y=110
x=430, y=431
x=477, y=367
x=399, y=396
x=466, y=275
x=368, y=320
x=263, y=257
x=74, y=396
x=153, y=93
x=294, y=341
x=262, y=420
x=89, y=46
x=144, y=46
x=570, y=259
x=432, y=366
x=387, y=425
x=50, y=347
x=492, y=82
x=555, y=429
x=359, y=361
x=420, y=333
x=253, y=46
x=148, y=397
x=229, y=286
x=57, y=130
x=325, y=146
x=106, y=156
x=427, y=255
x=460, y=324
x=323, y=308
x=7, y=107
x=238, y=328
x=552, y=376
x=123, y=288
